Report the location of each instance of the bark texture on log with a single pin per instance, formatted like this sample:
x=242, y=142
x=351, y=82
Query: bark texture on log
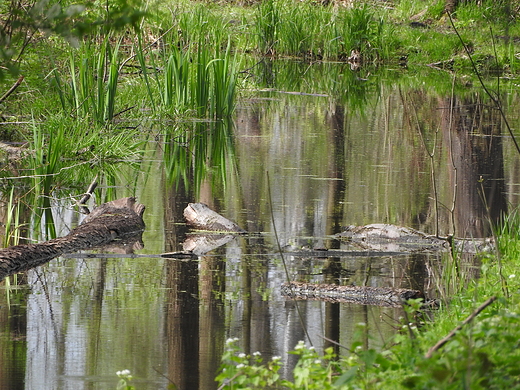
x=201, y=217
x=119, y=219
x=378, y=296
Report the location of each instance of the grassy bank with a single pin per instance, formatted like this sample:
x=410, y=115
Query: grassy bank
x=482, y=354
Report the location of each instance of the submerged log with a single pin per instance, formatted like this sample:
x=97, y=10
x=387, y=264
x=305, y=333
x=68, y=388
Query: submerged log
x=201, y=217
x=119, y=219
x=362, y=295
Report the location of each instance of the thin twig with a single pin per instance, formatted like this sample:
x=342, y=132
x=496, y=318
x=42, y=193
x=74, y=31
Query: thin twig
x=11, y=90
x=165, y=377
x=89, y=192
x=441, y=343
x=495, y=100
x=452, y=160
x=432, y=166
x=338, y=344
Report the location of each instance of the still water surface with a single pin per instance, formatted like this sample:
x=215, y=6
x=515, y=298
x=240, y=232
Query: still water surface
x=322, y=163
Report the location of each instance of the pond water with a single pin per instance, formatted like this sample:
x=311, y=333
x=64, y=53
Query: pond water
x=304, y=162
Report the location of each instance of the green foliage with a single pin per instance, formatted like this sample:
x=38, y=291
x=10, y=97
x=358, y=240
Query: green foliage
x=360, y=31
x=20, y=26
x=12, y=223
x=196, y=80
x=91, y=92
x=267, y=22
x=202, y=26
x=63, y=152
x=241, y=371
x=306, y=30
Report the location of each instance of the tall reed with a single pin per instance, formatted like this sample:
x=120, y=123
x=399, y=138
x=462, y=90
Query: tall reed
x=267, y=23
x=12, y=222
x=224, y=85
x=200, y=25
x=199, y=82
x=94, y=77
x=324, y=32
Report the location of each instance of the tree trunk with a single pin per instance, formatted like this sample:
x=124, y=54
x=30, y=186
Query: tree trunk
x=119, y=219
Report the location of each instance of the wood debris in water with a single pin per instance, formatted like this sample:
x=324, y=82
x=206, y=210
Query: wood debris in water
x=363, y=295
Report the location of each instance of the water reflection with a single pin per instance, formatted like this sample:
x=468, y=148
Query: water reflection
x=473, y=132
x=330, y=164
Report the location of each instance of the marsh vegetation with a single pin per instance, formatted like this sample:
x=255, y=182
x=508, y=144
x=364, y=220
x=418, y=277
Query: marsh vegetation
x=393, y=112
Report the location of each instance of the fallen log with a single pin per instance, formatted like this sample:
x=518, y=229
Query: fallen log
x=386, y=237
x=201, y=217
x=119, y=219
x=362, y=295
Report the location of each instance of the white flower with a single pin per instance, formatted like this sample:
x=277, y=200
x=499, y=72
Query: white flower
x=300, y=345
x=239, y=366
x=512, y=276
x=257, y=353
x=317, y=361
x=275, y=358
x=311, y=348
x=231, y=340
x=241, y=355
x=125, y=374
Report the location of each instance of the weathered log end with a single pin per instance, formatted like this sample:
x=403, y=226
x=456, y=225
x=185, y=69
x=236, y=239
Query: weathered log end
x=362, y=295
x=201, y=217
x=122, y=206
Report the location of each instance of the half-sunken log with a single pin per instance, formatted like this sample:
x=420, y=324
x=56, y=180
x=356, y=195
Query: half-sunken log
x=378, y=296
x=385, y=237
x=119, y=219
x=201, y=217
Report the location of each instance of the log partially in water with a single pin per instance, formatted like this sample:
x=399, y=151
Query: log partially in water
x=362, y=295
x=201, y=217
x=119, y=219
x=386, y=237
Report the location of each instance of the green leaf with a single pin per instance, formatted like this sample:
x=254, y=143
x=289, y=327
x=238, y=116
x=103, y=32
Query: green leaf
x=346, y=377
